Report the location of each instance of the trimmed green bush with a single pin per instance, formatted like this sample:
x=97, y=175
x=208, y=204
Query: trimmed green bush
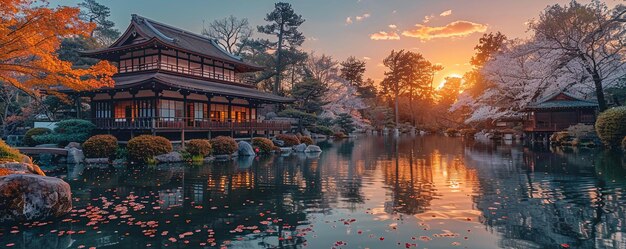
x=223, y=145
x=198, y=147
x=263, y=144
x=289, y=139
x=71, y=130
x=611, y=126
x=306, y=140
x=8, y=154
x=100, y=146
x=28, y=137
x=145, y=147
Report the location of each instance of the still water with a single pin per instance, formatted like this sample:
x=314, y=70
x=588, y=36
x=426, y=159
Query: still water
x=367, y=192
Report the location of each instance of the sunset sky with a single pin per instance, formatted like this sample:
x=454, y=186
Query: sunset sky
x=444, y=31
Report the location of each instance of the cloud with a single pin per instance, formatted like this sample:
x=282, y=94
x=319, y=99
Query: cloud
x=393, y=26
x=350, y=20
x=446, y=13
x=360, y=18
x=453, y=29
x=382, y=35
x=366, y=58
x=312, y=38
x=427, y=18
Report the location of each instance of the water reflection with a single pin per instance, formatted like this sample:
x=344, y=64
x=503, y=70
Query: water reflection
x=369, y=192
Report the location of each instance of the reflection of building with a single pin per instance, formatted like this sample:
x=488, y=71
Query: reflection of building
x=545, y=199
x=556, y=113
x=171, y=81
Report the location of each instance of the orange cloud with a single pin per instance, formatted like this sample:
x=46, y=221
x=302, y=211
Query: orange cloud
x=382, y=35
x=453, y=29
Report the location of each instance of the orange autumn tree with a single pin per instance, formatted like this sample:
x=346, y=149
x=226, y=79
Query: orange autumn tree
x=30, y=34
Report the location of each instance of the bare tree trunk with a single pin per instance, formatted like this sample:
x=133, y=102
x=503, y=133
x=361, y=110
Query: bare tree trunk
x=397, y=114
x=599, y=91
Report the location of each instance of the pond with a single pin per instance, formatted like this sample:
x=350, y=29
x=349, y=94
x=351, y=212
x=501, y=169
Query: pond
x=366, y=192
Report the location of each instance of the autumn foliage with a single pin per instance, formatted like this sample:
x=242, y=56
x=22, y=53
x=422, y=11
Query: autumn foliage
x=30, y=34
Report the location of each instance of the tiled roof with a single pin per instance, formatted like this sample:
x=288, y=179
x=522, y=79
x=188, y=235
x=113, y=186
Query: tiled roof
x=562, y=100
x=177, y=38
x=192, y=84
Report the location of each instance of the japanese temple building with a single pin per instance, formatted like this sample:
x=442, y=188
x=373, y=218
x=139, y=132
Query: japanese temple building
x=177, y=84
x=556, y=113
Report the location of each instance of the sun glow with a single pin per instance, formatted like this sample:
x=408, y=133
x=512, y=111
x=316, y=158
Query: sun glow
x=443, y=81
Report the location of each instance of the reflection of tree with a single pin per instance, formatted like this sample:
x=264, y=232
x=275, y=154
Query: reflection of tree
x=550, y=198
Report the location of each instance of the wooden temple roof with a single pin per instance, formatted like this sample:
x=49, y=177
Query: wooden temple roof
x=144, y=32
x=561, y=100
x=175, y=82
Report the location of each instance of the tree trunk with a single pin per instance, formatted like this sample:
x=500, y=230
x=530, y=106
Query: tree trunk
x=599, y=91
x=397, y=114
x=278, y=57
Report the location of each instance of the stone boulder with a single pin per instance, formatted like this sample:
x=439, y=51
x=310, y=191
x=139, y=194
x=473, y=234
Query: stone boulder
x=172, y=157
x=26, y=197
x=279, y=143
x=20, y=168
x=245, y=149
x=270, y=115
x=75, y=155
x=312, y=149
x=300, y=148
x=74, y=145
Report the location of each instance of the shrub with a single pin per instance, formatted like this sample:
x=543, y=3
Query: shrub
x=9, y=154
x=339, y=134
x=320, y=129
x=611, y=126
x=223, y=145
x=451, y=132
x=100, y=146
x=28, y=137
x=198, y=147
x=582, y=131
x=306, y=140
x=145, y=147
x=289, y=139
x=71, y=130
x=468, y=132
x=263, y=144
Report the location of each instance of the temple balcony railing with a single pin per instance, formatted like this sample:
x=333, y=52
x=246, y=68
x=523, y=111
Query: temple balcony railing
x=186, y=70
x=162, y=123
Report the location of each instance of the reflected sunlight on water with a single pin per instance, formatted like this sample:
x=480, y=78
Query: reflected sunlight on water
x=368, y=192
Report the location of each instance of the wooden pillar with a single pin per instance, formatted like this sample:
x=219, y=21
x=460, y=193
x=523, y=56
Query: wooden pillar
x=250, y=130
x=229, y=119
x=155, y=114
x=78, y=105
x=111, y=119
x=92, y=108
x=182, y=132
x=134, y=123
x=208, y=112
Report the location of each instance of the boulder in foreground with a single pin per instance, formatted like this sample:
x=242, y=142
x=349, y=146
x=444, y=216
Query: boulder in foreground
x=33, y=197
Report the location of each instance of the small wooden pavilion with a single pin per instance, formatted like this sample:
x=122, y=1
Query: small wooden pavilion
x=556, y=113
x=175, y=83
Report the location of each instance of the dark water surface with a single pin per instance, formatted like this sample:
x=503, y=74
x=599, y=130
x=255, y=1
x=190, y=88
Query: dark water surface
x=367, y=192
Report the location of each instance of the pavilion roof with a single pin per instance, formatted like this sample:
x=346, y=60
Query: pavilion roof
x=194, y=85
x=562, y=100
x=150, y=30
